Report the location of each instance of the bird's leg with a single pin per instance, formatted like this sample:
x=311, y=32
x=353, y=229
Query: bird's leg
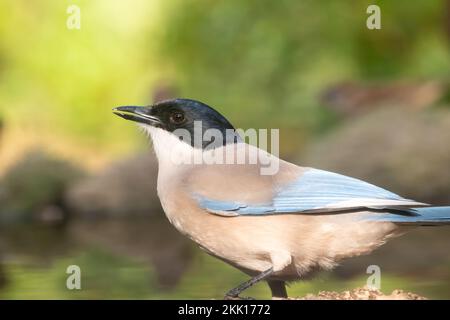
x=234, y=293
x=278, y=288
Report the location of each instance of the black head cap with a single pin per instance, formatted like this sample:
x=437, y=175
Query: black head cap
x=206, y=127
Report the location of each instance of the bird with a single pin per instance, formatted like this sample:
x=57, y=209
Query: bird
x=280, y=226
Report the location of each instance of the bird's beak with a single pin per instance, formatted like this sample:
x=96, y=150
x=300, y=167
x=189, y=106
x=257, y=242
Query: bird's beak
x=138, y=114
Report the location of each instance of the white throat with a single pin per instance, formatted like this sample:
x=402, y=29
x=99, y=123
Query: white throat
x=168, y=148
x=174, y=154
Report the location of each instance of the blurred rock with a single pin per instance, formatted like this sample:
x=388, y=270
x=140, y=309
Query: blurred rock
x=405, y=152
x=34, y=186
x=349, y=99
x=51, y=214
x=125, y=188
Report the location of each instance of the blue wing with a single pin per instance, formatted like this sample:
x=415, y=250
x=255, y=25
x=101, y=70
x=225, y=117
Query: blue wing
x=315, y=191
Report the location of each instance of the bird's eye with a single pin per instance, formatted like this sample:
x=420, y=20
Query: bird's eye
x=177, y=117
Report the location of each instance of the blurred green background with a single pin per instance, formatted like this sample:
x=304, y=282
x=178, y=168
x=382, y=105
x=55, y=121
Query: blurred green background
x=374, y=104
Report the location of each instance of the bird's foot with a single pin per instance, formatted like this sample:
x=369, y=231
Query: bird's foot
x=235, y=297
x=233, y=294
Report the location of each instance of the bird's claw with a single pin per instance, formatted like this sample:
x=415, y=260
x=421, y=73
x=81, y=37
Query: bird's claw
x=235, y=297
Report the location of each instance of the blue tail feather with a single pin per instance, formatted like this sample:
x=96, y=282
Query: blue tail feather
x=419, y=216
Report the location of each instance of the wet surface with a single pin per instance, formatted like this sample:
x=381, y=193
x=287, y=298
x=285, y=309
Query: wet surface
x=146, y=258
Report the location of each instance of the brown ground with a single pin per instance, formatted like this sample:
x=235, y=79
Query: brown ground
x=361, y=294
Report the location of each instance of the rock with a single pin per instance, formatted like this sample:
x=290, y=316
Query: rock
x=51, y=214
x=35, y=184
x=125, y=188
x=350, y=99
x=405, y=152
x=361, y=294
